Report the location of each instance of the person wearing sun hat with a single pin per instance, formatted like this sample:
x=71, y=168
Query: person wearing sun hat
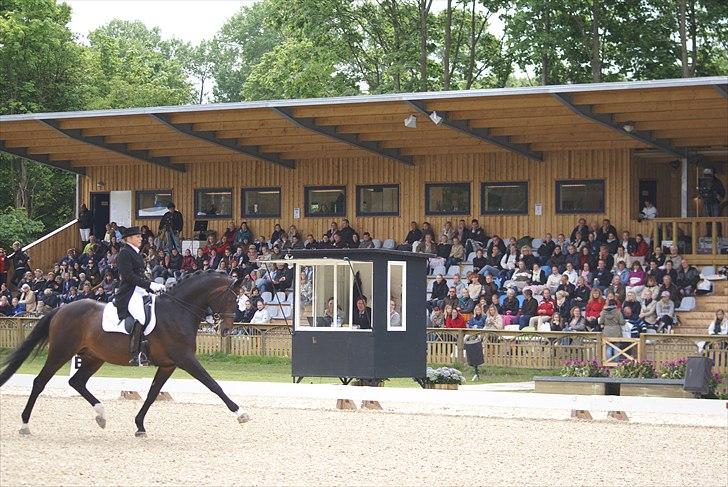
x=132, y=280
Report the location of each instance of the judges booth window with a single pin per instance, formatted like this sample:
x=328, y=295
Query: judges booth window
x=214, y=203
x=447, y=199
x=580, y=196
x=261, y=202
x=397, y=292
x=325, y=200
x=152, y=204
x=377, y=200
x=328, y=294
x=499, y=198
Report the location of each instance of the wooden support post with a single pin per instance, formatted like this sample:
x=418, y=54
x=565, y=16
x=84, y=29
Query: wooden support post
x=346, y=404
x=461, y=347
x=674, y=233
x=367, y=404
x=618, y=415
x=695, y=237
x=581, y=414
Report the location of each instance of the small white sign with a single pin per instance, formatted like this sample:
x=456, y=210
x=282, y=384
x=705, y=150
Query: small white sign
x=538, y=209
x=296, y=213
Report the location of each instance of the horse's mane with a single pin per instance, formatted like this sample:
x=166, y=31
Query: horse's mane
x=193, y=277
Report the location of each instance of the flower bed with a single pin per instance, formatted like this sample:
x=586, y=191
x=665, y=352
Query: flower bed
x=443, y=378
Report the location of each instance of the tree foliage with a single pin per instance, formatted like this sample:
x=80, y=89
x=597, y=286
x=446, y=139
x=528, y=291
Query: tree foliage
x=16, y=225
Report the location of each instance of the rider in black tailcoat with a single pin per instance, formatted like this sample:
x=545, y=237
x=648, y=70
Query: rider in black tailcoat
x=131, y=275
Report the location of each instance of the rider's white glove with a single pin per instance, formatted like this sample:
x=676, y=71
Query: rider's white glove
x=155, y=287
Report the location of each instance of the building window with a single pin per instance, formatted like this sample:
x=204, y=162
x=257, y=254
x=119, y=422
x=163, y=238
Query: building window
x=497, y=198
x=580, y=196
x=325, y=200
x=152, y=204
x=377, y=200
x=261, y=202
x=214, y=203
x=447, y=199
x=397, y=293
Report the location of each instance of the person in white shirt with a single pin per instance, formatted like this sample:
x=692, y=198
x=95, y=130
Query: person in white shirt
x=719, y=326
x=394, y=318
x=649, y=211
x=261, y=316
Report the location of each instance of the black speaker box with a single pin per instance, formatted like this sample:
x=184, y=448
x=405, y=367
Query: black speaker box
x=697, y=374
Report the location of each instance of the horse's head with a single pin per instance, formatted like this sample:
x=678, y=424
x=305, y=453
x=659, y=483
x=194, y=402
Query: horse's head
x=209, y=289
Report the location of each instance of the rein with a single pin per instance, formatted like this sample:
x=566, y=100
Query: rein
x=199, y=310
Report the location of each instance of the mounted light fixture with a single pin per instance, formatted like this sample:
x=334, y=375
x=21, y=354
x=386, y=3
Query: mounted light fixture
x=410, y=122
x=436, y=119
x=628, y=127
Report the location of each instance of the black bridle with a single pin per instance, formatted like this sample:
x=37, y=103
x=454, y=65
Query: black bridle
x=199, y=310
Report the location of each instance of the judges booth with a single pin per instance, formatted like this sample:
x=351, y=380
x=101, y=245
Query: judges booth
x=359, y=313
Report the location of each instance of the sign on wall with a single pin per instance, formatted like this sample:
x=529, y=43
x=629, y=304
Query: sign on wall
x=120, y=208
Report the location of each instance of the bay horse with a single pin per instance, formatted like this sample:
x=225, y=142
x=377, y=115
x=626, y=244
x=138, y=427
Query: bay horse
x=75, y=329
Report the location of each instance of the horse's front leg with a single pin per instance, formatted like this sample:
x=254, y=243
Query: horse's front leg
x=193, y=367
x=158, y=382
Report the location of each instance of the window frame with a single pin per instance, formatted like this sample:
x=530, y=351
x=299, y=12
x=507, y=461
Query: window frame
x=140, y=192
x=244, y=191
x=484, y=184
x=212, y=217
x=429, y=186
x=306, y=201
x=403, y=305
x=559, y=182
x=360, y=187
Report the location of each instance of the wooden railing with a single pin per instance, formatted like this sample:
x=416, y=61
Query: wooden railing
x=48, y=249
x=702, y=238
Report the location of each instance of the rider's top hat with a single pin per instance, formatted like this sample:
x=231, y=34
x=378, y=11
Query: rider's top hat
x=130, y=231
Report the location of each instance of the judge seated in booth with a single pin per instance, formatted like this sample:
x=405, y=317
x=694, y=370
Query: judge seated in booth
x=362, y=318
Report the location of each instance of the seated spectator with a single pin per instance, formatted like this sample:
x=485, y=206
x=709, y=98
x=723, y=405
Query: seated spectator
x=612, y=244
x=493, y=320
x=448, y=231
x=631, y=301
x=71, y=296
x=520, y=278
x=99, y=295
x=576, y=322
x=439, y=292
x=18, y=307
x=457, y=253
x=489, y=288
x=636, y=279
x=593, y=309
x=562, y=305
x=648, y=313
x=478, y=319
x=510, y=308
x=528, y=310
x=652, y=287
x=569, y=288
x=632, y=323
x=465, y=303
x=475, y=237
x=395, y=319
x=479, y=261
x=572, y=273
x=261, y=316
x=687, y=278
x=6, y=309
x=658, y=256
x=665, y=311
x=617, y=289
x=719, y=326
x=443, y=252
x=602, y=276
x=509, y=261
x=544, y=312
x=652, y=270
x=362, y=318
x=581, y=230
x=537, y=280
x=437, y=317
x=667, y=270
x=674, y=257
x=4, y=291
x=454, y=319
x=641, y=249
x=669, y=286
x=475, y=288
x=427, y=245
x=366, y=241
x=648, y=211
x=452, y=298
x=27, y=298
x=527, y=257
x=414, y=235
x=621, y=256
x=602, y=233
x=557, y=259
x=347, y=233
x=458, y=283
x=553, y=281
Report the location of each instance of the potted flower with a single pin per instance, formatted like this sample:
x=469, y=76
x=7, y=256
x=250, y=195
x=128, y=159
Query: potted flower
x=443, y=378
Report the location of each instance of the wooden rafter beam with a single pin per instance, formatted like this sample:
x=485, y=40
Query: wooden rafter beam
x=607, y=120
x=309, y=123
x=41, y=158
x=232, y=144
x=482, y=134
x=119, y=148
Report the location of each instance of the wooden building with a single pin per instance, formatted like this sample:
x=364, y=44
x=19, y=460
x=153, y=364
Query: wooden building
x=524, y=161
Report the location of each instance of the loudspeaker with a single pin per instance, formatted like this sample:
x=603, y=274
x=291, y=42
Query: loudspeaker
x=697, y=374
x=474, y=351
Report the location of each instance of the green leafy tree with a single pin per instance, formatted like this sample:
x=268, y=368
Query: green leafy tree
x=16, y=225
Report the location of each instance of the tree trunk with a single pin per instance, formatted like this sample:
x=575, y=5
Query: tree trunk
x=22, y=194
x=397, y=44
x=683, y=38
x=471, y=57
x=202, y=90
x=596, y=48
x=446, y=48
x=425, y=6
x=544, y=48
x=693, y=38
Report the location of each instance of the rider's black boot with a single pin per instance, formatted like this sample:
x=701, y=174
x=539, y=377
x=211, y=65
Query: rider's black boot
x=137, y=358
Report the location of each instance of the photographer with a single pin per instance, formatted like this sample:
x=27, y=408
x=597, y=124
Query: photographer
x=711, y=191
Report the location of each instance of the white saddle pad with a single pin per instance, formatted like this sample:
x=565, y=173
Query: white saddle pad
x=111, y=323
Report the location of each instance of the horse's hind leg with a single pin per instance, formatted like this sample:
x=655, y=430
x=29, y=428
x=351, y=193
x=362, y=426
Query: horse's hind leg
x=160, y=378
x=54, y=362
x=89, y=366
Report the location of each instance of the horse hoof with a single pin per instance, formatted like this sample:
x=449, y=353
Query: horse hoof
x=24, y=431
x=141, y=434
x=243, y=418
x=101, y=421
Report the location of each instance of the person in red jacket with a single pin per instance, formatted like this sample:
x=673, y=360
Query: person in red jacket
x=642, y=249
x=454, y=320
x=544, y=312
x=593, y=309
x=188, y=262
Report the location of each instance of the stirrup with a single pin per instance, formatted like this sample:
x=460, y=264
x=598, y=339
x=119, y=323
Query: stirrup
x=140, y=360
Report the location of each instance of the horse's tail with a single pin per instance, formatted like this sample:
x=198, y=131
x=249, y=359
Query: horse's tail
x=37, y=338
